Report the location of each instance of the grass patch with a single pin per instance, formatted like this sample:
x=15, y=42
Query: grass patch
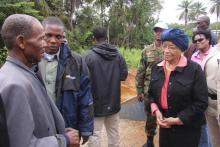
x=132, y=56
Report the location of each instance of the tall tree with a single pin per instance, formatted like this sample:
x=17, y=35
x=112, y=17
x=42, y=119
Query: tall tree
x=131, y=22
x=196, y=9
x=71, y=7
x=184, y=6
x=215, y=8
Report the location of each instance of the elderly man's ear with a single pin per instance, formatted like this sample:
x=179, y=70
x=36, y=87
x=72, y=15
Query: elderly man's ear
x=20, y=42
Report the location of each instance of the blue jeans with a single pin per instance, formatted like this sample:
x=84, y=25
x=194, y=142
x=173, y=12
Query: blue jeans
x=204, y=139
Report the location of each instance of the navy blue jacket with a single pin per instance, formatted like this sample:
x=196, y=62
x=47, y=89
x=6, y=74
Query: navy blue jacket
x=73, y=92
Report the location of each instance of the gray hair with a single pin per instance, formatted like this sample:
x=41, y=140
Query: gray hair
x=14, y=25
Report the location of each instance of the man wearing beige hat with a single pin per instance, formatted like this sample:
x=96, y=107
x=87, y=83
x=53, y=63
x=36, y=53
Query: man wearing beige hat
x=150, y=55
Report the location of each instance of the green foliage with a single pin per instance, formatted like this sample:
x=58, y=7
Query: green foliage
x=191, y=10
x=215, y=26
x=132, y=56
x=23, y=7
x=3, y=55
x=196, y=9
x=11, y=7
x=129, y=23
x=215, y=8
x=84, y=40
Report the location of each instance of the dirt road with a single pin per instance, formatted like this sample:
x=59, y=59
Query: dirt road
x=132, y=133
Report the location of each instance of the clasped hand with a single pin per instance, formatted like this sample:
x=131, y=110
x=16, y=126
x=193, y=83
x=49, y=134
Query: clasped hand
x=167, y=122
x=73, y=136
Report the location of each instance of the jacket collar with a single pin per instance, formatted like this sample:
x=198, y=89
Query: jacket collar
x=64, y=54
x=19, y=64
x=180, y=66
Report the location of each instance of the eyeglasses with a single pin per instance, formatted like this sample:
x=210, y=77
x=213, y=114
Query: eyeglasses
x=198, y=40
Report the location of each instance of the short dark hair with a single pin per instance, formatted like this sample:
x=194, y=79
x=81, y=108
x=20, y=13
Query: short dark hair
x=206, y=33
x=99, y=33
x=14, y=25
x=52, y=20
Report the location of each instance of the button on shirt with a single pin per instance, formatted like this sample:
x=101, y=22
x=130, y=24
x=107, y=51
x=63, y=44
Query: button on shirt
x=164, y=96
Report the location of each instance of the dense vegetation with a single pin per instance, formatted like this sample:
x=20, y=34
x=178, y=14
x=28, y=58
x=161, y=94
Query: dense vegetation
x=129, y=22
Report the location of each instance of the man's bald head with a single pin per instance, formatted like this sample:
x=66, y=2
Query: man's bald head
x=14, y=25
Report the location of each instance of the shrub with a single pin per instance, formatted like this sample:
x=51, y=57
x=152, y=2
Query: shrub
x=132, y=56
x=3, y=55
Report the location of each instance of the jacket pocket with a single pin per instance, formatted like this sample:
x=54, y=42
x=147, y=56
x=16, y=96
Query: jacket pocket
x=71, y=83
x=184, y=82
x=154, y=79
x=183, y=87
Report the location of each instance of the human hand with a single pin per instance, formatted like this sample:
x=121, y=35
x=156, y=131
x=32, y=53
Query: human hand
x=140, y=97
x=73, y=136
x=160, y=119
x=172, y=121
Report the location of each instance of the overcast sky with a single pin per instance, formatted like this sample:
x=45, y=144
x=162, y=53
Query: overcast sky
x=170, y=14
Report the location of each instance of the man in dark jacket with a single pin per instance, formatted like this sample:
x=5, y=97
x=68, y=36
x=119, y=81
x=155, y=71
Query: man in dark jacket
x=66, y=78
x=107, y=69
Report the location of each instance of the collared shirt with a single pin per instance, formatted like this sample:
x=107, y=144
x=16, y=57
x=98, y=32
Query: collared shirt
x=196, y=58
x=49, y=72
x=163, y=98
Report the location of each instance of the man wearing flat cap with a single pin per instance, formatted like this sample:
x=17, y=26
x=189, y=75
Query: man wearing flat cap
x=150, y=55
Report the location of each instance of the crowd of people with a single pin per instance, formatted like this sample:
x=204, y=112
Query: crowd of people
x=52, y=97
x=180, y=89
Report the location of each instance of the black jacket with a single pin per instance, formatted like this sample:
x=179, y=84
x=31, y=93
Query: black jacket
x=107, y=69
x=187, y=94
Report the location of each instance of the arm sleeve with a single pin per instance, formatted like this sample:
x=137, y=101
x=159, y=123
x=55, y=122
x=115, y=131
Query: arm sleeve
x=86, y=121
x=200, y=98
x=152, y=99
x=123, y=69
x=20, y=121
x=140, y=76
x=4, y=140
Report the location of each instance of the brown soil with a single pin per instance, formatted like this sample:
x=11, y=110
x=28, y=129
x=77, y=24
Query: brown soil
x=128, y=89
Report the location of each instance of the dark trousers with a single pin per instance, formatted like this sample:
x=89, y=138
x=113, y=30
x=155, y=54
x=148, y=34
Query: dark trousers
x=179, y=137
